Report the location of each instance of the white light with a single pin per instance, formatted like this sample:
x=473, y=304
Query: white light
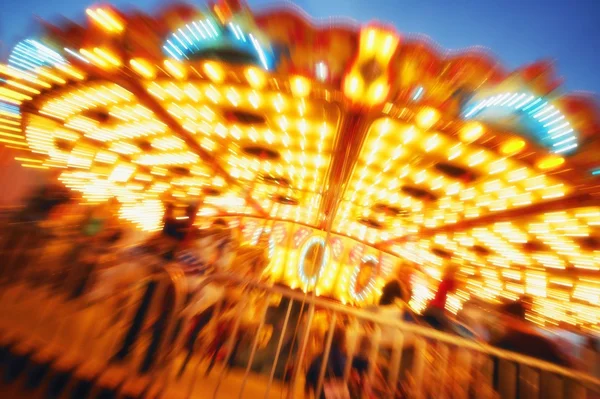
x=508, y=100
x=240, y=32
x=549, y=116
x=175, y=47
x=497, y=100
x=544, y=111
x=418, y=93
x=564, y=141
x=522, y=104
x=206, y=29
x=555, y=136
x=171, y=52
x=558, y=127
x=193, y=33
x=566, y=148
x=260, y=52
x=208, y=21
x=560, y=118
x=518, y=98
x=322, y=71
x=180, y=41
x=532, y=104
x=185, y=37
x=74, y=54
x=199, y=30
x=536, y=109
x=235, y=32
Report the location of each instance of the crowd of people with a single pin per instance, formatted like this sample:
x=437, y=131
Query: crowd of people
x=96, y=237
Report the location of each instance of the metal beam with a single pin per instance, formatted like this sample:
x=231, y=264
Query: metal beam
x=349, y=142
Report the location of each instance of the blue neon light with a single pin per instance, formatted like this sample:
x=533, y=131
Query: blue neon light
x=596, y=172
x=418, y=93
x=10, y=108
x=204, y=34
x=547, y=123
x=29, y=54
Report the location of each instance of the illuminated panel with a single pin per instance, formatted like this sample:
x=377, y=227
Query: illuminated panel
x=30, y=55
x=206, y=35
x=279, y=145
x=553, y=256
x=407, y=179
x=547, y=123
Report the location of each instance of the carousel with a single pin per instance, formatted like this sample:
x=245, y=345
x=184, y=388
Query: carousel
x=336, y=154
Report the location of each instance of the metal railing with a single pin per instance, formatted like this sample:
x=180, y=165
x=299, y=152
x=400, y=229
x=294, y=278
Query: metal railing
x=151, y=339
x=467, y=367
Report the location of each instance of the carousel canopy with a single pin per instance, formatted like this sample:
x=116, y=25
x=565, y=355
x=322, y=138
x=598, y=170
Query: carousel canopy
x=430, y=156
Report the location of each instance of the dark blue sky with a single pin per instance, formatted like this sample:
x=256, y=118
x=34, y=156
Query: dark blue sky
x=516, y=31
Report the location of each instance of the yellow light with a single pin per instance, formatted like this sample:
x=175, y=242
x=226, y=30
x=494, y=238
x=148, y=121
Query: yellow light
x=550, y=162
x=386, y=50
x=143, y=68
x=370, y=36
x=9, y=100
x=5, y=122
x=512, y=146
x=12, y=142
x=471, y=132
x=105, y=19
x=353, y=86
x=175, y=68
x=214, y=72
x=255, y=77
x=300, y=86
x=22, y=87
x=69, y=70
x=477, y=158
x=15, y=95
x=455, y=151
x=27, y=160
x=377, y=43
x=377, y=93
x=35, y=166
x=94, y=58
x=43, y=72
x=427, y=117
x=432, y=143
x=108, y=56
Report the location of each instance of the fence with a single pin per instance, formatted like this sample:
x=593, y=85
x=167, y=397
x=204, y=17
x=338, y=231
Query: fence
x=69, y=334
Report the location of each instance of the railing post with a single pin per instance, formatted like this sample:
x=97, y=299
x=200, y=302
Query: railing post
x=574, y=390
x=439, y=392
x=351, y=346
x=507, y=379
x=279, y=345
x=255, y=345
x=395, y=361
x=419, y=367
x=230, y=346
x=302, y=354
x=326, y=354
x=373, y=355
x=464, y=372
